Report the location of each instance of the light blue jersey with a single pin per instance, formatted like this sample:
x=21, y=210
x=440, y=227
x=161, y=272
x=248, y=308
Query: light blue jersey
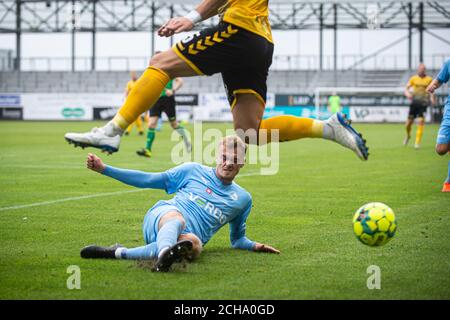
x=444, y=130
x=201, y=197
x=206, y=202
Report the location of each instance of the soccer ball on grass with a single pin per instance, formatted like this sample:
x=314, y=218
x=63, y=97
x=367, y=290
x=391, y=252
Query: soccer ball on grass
x=374, y=224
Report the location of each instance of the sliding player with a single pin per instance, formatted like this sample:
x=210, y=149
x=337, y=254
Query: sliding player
x=240, y=47
x=166, y=103
x=443, y=138
x=420, y=100
x=206, y=199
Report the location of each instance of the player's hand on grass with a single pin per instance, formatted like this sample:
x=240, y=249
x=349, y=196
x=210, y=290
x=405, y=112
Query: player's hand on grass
x=261, y=247
x=95, y=163
x=175, y=25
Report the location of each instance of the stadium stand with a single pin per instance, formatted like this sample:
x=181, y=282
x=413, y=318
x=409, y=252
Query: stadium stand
x=280, y=81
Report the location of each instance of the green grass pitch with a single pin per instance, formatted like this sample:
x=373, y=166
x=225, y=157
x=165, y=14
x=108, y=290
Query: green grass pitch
x=305, y=211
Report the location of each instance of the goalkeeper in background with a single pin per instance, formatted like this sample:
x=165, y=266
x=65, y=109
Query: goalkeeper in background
x=206, y=199
x=334, y=103
x=443, y=138
x=416, y=92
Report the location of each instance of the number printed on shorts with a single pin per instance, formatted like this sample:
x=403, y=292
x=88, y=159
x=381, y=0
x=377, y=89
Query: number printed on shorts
x=189, y=38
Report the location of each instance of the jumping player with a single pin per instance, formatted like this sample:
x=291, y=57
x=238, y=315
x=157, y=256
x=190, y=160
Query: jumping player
x=240, y=47
x=206, y=199
x=443, y=138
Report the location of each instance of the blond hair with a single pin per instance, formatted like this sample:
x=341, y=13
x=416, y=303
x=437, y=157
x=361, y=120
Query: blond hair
x=235, y=143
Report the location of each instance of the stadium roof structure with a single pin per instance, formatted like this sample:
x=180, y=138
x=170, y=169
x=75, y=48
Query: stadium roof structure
x=74, y=16
x=142, y=15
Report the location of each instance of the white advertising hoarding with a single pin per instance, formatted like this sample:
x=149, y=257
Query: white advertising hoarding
x=66, y=106
x=382, y=114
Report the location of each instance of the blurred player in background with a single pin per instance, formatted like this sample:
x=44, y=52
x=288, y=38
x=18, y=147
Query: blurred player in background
x=416, y=92
x=206, y=199
x=334, y=103
x=138, y=121
x=166, y=103
x=240, y=47
x=443, y=138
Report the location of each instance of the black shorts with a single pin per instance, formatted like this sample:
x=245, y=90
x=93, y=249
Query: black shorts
x=417, y=109
x=164, y=104
x=242, y=57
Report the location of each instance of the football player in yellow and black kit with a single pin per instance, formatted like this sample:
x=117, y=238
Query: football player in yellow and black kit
x=416, y=92
x=240, y=47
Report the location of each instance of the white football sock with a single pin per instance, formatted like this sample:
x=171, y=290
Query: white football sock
x=111, y=129
x=118, y=252
x=328, y=132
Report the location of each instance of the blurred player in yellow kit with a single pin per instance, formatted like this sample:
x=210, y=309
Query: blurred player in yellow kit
x=138, y=121
x=240, y=47
x=416, y=92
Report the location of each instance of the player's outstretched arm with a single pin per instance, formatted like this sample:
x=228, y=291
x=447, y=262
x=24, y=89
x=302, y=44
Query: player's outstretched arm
x=133, y=178
x=205, y=10
x=94, y=163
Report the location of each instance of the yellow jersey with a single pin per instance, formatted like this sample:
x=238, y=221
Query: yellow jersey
x=419, y=85
x=251, y=15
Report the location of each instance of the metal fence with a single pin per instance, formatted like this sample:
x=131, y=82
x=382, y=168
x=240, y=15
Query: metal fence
x=280, y=62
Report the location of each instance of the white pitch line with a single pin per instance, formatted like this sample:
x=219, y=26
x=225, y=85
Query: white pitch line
x=96, y=195
x=44, y=203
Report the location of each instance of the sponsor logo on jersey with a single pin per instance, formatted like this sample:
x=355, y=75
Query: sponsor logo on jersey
x=208, y=207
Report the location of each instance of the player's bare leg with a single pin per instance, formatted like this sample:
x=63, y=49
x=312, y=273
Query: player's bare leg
x=247, y=116
x=408, y=127
x=443, y=149
x=163, y=67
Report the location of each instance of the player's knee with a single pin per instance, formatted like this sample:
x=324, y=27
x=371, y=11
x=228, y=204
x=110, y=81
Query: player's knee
x=174, y=124
x=152, y=124
x=196, y=244
x=156, y=59
x=163, y=61
x=442, y=149
x=170, y=216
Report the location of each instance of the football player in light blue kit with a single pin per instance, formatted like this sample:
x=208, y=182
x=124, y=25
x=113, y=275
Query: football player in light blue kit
x=206, y=199
x=443, y=139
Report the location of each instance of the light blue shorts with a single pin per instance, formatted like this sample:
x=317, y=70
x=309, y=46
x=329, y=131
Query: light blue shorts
x=151, y=220
x=444, y=130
